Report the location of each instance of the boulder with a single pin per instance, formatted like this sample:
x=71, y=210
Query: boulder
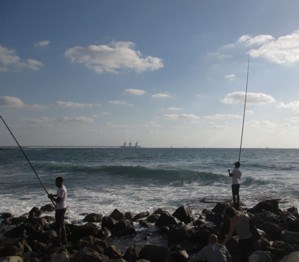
x=88, y=229
x=124, y=228
x=5, y=215
x=141, y=215
x=108, y=222
x=47, y=208
x=166, y=219
x=117, y=215
x=93, y=217
x=184, y=214
x=132, y=253
x=290, y=237
x=180, y=256
x=155, y=253
x=90, y=255
x=113, y=252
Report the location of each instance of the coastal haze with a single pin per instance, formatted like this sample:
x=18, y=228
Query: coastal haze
x=160, y=73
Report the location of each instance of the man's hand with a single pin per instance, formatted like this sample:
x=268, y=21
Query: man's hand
x=50, y=196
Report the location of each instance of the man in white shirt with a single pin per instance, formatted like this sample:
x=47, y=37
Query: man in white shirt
x=60, y=198
x=236, y=175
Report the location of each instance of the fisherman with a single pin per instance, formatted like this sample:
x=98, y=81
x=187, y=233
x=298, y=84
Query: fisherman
x=60, y=198
x=235, y=176
x=213, y=252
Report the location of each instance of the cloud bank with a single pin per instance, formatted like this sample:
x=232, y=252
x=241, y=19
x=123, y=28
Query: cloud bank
x=113, y=58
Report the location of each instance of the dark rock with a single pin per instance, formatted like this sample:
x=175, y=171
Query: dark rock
x=184, y=214
x=132, y=253
x=153, y=218
x=5, y=215
x=113, y=252
x=268, y=205
x=178, y=233
x=272, y=230
x=260, y=256
x=108, y=222
x=93, y=217
x=141, y=215
x=90, y=255
x=219, y=208
x=88, y=229
x=166, y=219
x=34, y=212
x=128, y=215
x=47, y=208
x=290, y=237
x=117, y=215
x=155, y=253
x=180, y=256
x=144, y=223
x=124, y=228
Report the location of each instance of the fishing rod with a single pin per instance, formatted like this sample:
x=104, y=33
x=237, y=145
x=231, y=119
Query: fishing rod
x=245, y=102
x=29, y=162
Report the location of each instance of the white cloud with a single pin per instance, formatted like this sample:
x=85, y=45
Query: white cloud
x=281, y=50
x=120, y=102
x=252, y=98
x=174, y=108
x=187, y=117
x=256, y=40
x=230, y=77
x=160, y=95
x=61, y=120
x=113, y=58
x=222, y=116
x=294, y=105
x=42, y=43
x=14, y=102
x=68, y=104
x=136, y=92
x=11, y=101
x=10, y=61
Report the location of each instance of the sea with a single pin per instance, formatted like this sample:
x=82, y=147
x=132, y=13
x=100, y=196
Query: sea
x=99, y=180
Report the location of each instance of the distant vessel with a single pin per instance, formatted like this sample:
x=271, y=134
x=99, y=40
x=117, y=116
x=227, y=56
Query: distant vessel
x=130, y=145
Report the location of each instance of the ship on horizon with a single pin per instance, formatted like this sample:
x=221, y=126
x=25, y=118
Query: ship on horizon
x=130, y=145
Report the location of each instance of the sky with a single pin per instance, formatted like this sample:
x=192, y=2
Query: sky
x=168, y=73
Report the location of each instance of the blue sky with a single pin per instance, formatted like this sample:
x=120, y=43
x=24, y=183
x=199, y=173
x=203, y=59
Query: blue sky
x=163, y=73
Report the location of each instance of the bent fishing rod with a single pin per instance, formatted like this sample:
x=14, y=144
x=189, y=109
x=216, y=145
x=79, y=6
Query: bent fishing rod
x=245, y=102
x=29, y=162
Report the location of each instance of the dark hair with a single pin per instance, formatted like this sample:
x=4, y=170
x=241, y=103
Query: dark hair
x=237, y=164
x=59, y=179
x=230, y=212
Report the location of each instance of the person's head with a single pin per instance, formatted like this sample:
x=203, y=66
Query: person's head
x=59, y=181
x=237, y=164
x=213, y=239
x=230, y=212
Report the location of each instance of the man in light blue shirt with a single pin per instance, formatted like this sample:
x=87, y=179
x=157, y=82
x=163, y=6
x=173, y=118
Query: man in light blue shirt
x=213, y=252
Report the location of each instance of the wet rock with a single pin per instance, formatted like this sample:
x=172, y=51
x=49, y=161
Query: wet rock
x=93, y=217
x=124, y=228
x=290, y=237
x=47, y=208
x=184, y=214
x=166, y=219
x=117, y=215
x=144, y=223
x=88, y=229
x=90, y=255
x=132, y=253
x=34, y=212
x=113, y=252
x=155, y=253
x=140, y=215
x=5, y=215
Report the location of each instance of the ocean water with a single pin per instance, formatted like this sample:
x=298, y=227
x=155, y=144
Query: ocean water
x=140, y=179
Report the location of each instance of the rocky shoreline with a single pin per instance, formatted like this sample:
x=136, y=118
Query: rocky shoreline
x=158, y=236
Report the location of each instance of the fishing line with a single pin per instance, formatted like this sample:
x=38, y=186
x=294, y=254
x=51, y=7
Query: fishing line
x=245, y=102
x=29, y=162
